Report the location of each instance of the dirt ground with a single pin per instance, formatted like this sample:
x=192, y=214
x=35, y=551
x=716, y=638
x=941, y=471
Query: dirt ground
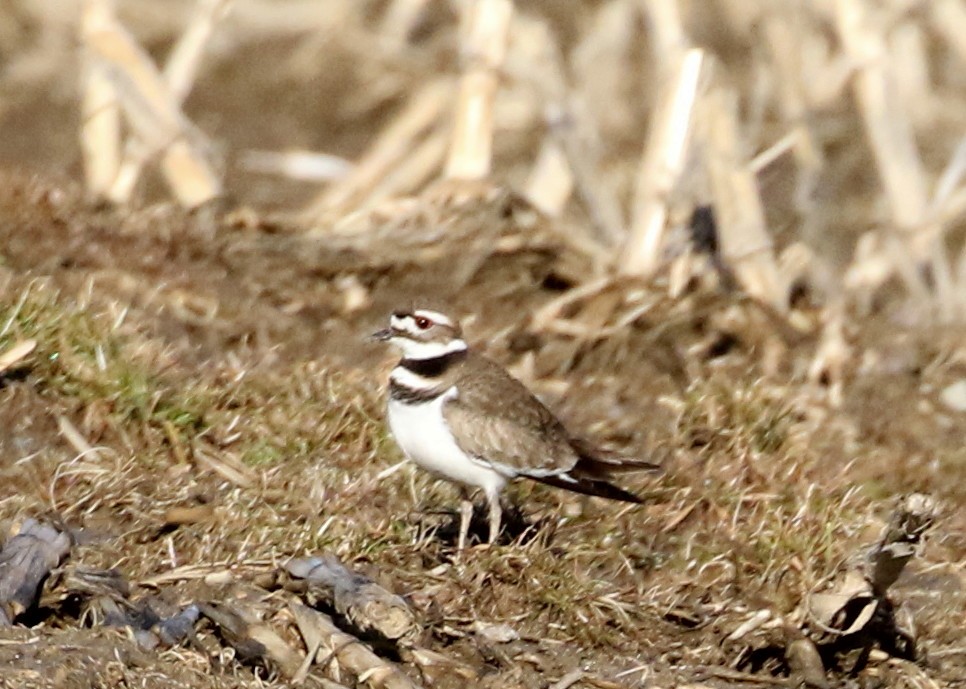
x=217, y=362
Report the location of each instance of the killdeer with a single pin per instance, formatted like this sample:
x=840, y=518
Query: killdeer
x=462, y=417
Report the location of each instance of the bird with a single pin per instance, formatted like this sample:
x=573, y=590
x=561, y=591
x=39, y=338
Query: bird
x=464, y=418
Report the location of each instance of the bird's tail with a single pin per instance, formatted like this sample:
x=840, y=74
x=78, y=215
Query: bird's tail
x=597, y=463
x=589, y=486
x=592, y=473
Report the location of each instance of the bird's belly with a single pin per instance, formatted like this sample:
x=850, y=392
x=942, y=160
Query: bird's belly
x=422, y=434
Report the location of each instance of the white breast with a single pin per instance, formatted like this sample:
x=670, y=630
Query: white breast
x=422, y=433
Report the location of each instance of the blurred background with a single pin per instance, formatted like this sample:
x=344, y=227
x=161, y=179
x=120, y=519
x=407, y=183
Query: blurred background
x=805, y=124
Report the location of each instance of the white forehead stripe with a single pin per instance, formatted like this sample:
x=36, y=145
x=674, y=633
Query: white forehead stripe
x=414, y=349
x=407, y=322
x=434, y=316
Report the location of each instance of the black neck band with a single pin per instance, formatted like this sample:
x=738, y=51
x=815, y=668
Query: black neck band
x=435, y=367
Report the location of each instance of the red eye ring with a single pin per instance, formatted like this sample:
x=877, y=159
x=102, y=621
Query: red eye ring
x=423, y=323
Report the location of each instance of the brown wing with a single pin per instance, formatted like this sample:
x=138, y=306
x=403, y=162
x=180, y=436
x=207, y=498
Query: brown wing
x=495, y=419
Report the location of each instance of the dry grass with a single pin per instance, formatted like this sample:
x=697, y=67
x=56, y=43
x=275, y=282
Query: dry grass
x=752, y=513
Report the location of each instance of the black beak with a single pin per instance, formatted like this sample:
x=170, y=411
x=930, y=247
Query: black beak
x=381, y=335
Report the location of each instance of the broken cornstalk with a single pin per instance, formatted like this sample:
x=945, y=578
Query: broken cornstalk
x=487, y=29
x=746, y=247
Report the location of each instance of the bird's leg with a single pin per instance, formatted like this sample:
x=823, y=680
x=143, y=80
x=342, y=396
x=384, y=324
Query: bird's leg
x=466, y=516
x=496, y=514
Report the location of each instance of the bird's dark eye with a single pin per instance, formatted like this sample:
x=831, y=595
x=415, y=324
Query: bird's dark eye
x=423, y=323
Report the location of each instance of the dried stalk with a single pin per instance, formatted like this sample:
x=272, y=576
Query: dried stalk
x=550, y=182
x=601, y=62
x=368, y=606
x=535, y=59
x=886, y=121
x=911, y=72
x=77, y=441
x=252, y=638
x=833, y=353
x=665, y=152
x=179, y=74
x=14, y=355
x=572, y=128
x=953, y=175
x=306, y=166
x=665, y=28
x=419, y=119
x=663, y=163
x=181, y=68
x=877, y=90
x=100, y=114
x=154, y=115
x=483, y=51
x=577, y=136
x=419, y=167
x=947, y=203
x=334, y=645
x=100, y=132
x=399, y=20
x=743, y=238
x=788, y=38
x=949, y=21
x=189, y=174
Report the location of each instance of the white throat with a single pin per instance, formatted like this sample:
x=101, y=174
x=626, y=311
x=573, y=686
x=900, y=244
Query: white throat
x=413, y=349
x=413, y=381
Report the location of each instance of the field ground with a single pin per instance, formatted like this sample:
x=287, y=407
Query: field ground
x=203, y=405
x=167, y=340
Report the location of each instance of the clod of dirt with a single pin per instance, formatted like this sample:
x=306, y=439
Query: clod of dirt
x=25, y=563
x=806, y=663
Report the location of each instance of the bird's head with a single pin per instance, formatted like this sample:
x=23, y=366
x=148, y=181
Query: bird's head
x=422, y=334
